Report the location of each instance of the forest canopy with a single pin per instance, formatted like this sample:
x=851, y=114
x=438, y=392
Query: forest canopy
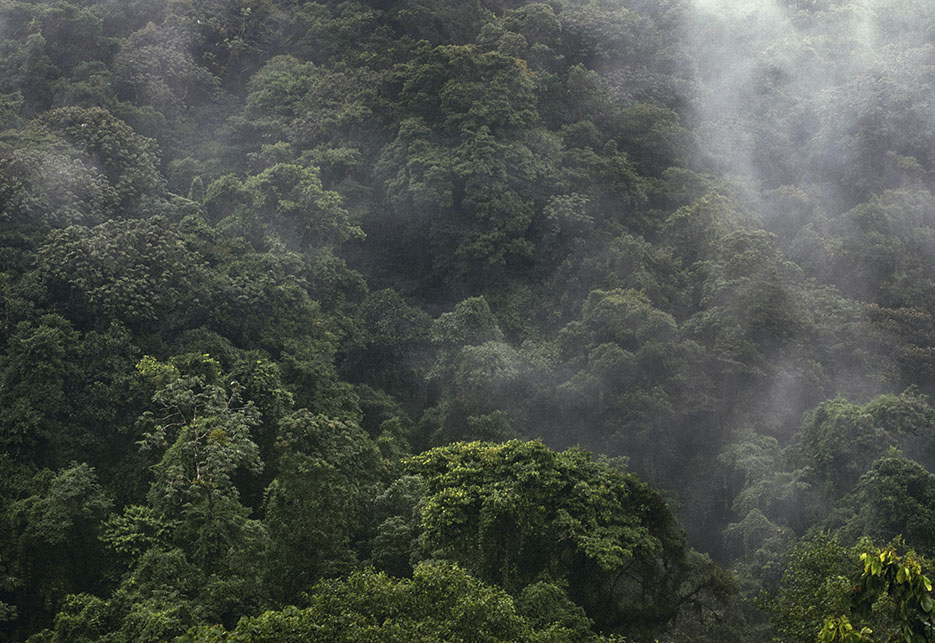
x=395, y=320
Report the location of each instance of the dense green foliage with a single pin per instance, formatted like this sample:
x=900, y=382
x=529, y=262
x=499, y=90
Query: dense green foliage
x=440, y=603
x=312, y=313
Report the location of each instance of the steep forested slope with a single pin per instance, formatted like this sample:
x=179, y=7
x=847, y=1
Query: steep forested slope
x=308, y=309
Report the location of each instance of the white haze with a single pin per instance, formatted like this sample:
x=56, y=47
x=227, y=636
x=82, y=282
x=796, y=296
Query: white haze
x=802, y=93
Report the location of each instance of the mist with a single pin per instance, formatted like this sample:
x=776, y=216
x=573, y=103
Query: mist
x=829, y=101
x=317, y=302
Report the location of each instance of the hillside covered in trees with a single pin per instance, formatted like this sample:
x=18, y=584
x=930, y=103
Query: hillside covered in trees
x=467, y=320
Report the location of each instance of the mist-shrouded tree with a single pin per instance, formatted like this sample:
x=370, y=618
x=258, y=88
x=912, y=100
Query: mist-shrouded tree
x=623, y=358
x=229, y=38
x=127, y=159
x=313, y=106
x=283, y=205
x=464, y=151
x=74, y=166
x=393, y=356
x=135, y=272
x=839, y=443
x=894, y=498
x=839, y=440
x=156, y=67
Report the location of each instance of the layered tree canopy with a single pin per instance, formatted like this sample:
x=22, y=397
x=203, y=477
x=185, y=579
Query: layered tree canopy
x=575, y=320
